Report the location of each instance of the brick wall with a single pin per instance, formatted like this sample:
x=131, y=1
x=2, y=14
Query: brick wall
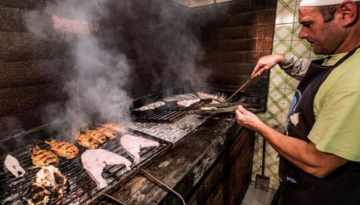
x=29, y=69
x=241, y=32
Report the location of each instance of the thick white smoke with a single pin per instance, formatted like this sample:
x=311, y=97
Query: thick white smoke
x=95, y=82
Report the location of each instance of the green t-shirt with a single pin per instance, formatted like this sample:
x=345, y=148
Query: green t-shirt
x=337, y=110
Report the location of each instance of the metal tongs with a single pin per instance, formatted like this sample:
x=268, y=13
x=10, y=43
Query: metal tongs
x=223, y=108
x=242, y=87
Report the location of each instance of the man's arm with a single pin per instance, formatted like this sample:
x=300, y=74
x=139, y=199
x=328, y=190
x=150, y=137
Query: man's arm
x=295, y=67
x=301, y=153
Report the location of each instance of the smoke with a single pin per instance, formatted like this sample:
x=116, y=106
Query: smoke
x=97, y=84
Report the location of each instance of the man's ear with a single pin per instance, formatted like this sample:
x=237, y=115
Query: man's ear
x=349, y=13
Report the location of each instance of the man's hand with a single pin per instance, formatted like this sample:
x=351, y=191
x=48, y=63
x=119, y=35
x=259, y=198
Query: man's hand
x=247, y=119
x=267, y=62
x=301, y=153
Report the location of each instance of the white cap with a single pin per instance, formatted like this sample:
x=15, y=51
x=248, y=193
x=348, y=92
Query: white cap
x=321, y=2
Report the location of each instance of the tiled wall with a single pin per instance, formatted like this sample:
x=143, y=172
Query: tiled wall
x=282, y=86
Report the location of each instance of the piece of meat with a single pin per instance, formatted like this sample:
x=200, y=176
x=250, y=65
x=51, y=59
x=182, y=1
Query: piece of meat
x=50, y=177
x=205, y=96
x=187, y=103
x=133, y=144
x=11, y=164
x=94, y=161
x=87, y=141
x=99, y=136
x=116, y=127
x=110, y=133
x=188, y=96
x=63, y=149
x=42, y=157
x=37, y=195
x=151, y=106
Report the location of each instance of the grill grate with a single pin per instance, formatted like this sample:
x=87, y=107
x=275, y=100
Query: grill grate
x=83, y=189
x=168, y=113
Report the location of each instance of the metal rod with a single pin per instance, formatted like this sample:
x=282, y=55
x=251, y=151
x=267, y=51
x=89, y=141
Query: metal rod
x=241, y=87
x=160, y=184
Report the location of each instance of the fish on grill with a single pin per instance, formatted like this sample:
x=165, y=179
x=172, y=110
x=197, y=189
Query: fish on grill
x=133, y=144
x=151, y=106
x=110, y=133
x=63, y=149
x=42, y=157
x=95, y=160
x=116, y=127
x=87, y=141
x=99, y=136
x=205, y=96
x=187, y=103
x=51, y=178
x=11, y=164
x=48, y=180
x=37, y=195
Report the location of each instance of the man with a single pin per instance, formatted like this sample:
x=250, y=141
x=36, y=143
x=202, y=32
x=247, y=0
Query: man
x=320, y=150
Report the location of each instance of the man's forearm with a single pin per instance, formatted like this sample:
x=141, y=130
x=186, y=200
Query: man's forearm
x=301, y=153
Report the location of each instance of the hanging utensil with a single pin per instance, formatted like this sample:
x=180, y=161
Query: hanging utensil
x=241, y=87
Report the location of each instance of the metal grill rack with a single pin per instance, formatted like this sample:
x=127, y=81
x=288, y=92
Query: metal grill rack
x=83, y=189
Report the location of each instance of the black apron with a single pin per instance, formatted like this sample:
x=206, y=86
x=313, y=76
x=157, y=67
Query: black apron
x=298, y=187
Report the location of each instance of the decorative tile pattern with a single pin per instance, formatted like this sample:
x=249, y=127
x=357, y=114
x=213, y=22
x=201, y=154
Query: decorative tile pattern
x=282, y=86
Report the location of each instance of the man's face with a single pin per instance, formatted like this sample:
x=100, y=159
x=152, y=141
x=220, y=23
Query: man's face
x=325, y=38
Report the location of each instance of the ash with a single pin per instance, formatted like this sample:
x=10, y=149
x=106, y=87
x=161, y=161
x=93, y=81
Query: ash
x=170, y=132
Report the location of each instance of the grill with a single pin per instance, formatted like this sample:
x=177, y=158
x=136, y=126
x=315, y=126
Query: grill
x=83, y=189
x=170, y=112
x=154, y=124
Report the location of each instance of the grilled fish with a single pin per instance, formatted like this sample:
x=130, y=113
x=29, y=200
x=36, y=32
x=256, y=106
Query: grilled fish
x=42, y=157
x=94, y=161
x=63, y=149
x=133, y=144
x=110, y=133
x=99, y=136
x=87, y=141
x=116, y=127
x=51, y=178
x=37, y=195
x=11, y=164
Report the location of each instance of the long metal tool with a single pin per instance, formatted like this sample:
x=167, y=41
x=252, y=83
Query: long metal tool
x=241, y=87
x=159, y=183
x=262, y=181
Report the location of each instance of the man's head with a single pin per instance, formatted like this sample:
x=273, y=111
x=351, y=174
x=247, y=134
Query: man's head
x=330, y=26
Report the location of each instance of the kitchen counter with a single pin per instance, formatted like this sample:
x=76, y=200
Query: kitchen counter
x=211, y=165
